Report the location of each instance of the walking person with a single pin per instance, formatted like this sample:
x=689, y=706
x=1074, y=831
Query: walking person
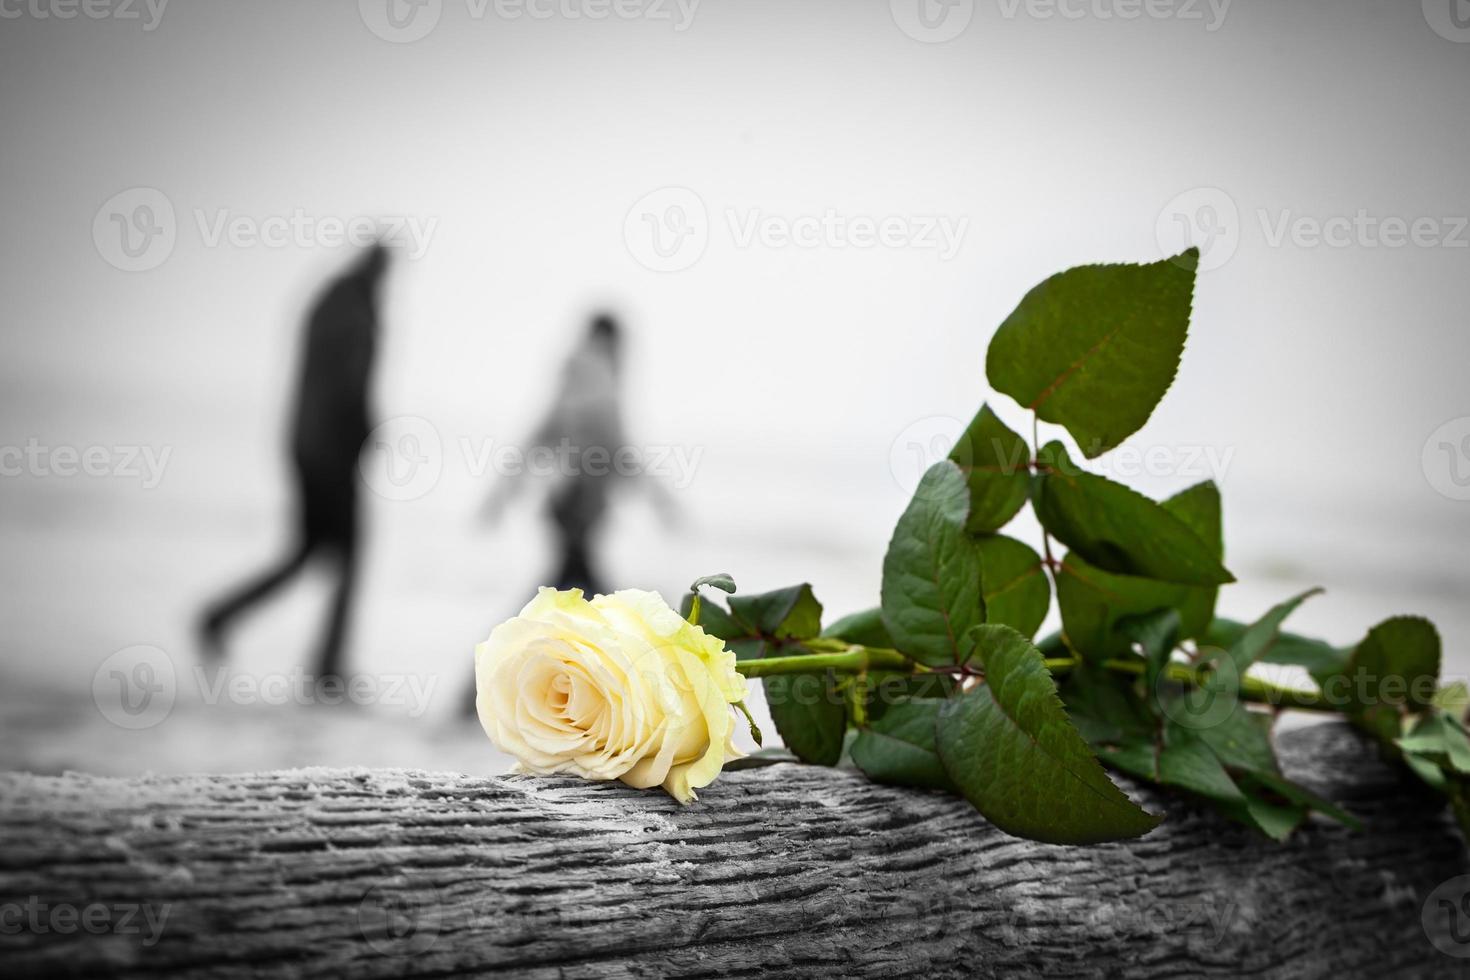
x=329, y=425
x=583, y=434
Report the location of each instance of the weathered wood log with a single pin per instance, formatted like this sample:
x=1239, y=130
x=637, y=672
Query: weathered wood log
x=778, y=871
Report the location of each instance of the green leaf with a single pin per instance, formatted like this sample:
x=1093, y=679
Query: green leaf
x=1092, y=603
x=1397, y=663
x=1199, y=508
x=1320, y=659
x=1094, y=348
x=1260, y=798
x=898, y=748
x=1239, y=774
x=1197, y=766
x=810, y=713
x=1258, y=638
x=716, y=621
x=888, y=689
x=1437, y=737
x=751, y=648
x=931, y=573
x=1275, y=820
x=863, y=628
x=1429, y=745
x=1186, y=759
x=996, y=464
x=1383, y=722
x=1242, y=740
x=1017, y=593
x=1137, y=757
x=721, y=581
x=1453, y=699
x=1155, y=635
x=1117, y=529
x=1430, y=772
x=1010, y=749
x=1188, y=762
x=1299, y=795
x=790, y=613
x=1106, y=709
x=786, y=611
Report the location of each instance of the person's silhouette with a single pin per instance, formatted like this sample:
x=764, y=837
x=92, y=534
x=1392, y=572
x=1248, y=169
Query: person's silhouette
x=329, y=427
x=583, y=433
x=588, y=415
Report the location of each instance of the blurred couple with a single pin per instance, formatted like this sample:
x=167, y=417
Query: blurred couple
x=331, y=420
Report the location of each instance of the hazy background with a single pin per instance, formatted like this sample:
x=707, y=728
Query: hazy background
x=800, y=377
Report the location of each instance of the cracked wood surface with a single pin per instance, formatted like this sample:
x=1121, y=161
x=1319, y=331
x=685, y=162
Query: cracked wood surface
x=777, y=871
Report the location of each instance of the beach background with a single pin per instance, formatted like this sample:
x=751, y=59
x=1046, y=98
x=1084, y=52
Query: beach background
x=807, y=384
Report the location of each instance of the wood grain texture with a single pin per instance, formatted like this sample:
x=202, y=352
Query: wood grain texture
x=777, y=871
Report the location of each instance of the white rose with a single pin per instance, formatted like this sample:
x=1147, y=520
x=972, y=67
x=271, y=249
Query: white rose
x=621, y=687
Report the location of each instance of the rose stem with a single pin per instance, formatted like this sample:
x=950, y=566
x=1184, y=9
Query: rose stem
x=842, y=657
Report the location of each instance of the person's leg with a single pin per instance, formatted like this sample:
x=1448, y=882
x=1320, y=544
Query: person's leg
x=576, y=567
x=467, y=707
x=218, y=616
x=339, y=613
x=572, y=573
x=577, y=513
x=575, y=510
